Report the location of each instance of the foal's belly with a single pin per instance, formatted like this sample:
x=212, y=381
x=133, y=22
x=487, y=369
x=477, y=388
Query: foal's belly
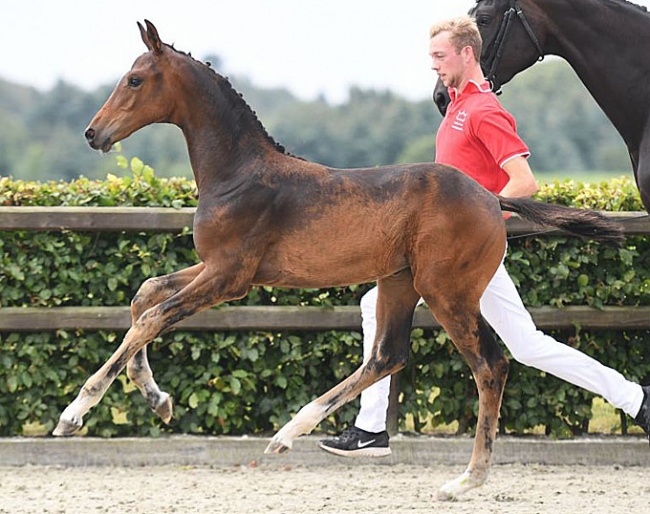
x=327, y=266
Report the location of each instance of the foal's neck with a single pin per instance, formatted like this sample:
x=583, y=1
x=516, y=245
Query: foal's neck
x=224, y=136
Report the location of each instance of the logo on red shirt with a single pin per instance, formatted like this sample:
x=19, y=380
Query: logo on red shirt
x=459, y=121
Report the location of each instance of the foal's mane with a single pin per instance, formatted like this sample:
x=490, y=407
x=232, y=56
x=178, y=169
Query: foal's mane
x=236, y=99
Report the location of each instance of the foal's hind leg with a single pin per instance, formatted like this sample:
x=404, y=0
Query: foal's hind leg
x=206, y=290
x=152, y=292
x=473, y=338
x=396, y=302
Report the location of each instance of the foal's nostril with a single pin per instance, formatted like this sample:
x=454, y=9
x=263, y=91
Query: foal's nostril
x=90, y=135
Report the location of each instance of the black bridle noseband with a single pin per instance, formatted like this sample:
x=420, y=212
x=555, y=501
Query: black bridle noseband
x=491, y=61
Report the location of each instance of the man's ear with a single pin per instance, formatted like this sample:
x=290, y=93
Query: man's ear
x=468, y=54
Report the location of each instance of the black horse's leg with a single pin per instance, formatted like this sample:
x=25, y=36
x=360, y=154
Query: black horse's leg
x=152, y=292
x=642, y=169
x=396, y=301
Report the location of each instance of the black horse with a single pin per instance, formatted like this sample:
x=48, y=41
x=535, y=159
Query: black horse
x=606, y=42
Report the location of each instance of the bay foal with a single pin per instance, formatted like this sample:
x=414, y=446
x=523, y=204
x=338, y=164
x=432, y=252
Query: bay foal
x=266, y=217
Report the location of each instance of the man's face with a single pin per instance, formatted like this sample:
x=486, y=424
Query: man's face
x=445, y=61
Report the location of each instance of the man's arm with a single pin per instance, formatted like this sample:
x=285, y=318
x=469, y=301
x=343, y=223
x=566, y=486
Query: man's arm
x=522, y=181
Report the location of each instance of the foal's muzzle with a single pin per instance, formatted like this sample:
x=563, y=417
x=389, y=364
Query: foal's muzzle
x=91, y=137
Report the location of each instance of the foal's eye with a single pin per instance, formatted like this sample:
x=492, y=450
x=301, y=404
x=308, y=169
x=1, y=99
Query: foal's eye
x=134, y=81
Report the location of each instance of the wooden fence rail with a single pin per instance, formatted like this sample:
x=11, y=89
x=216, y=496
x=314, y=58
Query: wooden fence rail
x=269, y=318
x=164, y=219
x=155, y=219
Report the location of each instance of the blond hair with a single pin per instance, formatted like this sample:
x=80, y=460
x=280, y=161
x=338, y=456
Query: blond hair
x=464, y=32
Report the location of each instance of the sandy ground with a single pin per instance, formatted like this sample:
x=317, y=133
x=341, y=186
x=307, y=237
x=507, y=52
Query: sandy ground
x=331, y=489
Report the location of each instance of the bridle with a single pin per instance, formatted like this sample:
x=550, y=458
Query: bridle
x=491, y=61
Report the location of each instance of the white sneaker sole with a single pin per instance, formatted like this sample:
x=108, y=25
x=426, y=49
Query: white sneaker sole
x=361, y=452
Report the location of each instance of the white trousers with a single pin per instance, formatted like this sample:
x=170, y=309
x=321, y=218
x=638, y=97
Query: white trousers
x=503, y=309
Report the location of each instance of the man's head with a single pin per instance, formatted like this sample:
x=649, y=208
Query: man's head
x=455, y=50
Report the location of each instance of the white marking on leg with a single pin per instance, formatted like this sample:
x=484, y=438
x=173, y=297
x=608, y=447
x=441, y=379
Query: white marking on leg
x=303, y=423
x=139, y=372
x=95, y=387
x=73, y=414
x=460, y=485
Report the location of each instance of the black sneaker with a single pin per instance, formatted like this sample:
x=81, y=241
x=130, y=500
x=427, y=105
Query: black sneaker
x=354, y=442
x=643, y=417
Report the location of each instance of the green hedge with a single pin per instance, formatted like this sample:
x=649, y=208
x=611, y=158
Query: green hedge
x=235, y=383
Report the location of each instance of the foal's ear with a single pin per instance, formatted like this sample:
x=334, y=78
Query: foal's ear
x=150, y=37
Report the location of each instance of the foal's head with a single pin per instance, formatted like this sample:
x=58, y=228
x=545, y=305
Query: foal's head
x=146, y=94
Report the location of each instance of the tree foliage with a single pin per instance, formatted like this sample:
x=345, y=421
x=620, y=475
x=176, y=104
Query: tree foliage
x=41, y=133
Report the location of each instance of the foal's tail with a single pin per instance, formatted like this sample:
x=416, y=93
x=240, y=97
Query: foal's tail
x=580, y=222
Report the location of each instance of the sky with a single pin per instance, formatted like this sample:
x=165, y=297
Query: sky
x=311, y=47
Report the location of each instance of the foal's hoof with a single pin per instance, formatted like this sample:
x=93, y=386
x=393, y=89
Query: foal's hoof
x=446, y=495
x=67, y=427
x=277, y=447
x=465, y=482
x=165, y=408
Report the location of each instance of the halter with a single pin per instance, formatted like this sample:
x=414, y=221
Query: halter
x=491, y=62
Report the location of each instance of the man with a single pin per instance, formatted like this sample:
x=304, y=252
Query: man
x=478, y=136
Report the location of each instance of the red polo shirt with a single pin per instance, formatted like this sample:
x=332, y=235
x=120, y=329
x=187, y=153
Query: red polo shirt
x=478, y=136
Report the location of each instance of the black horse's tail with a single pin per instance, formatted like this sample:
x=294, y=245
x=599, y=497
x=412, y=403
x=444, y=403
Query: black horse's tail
x=580, y=222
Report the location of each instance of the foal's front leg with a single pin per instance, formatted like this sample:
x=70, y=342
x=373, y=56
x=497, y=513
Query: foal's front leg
x=315, y=411
x=152, y=292
x=206, y=290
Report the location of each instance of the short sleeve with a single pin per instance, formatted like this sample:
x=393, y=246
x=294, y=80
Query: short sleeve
x=497, y=131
